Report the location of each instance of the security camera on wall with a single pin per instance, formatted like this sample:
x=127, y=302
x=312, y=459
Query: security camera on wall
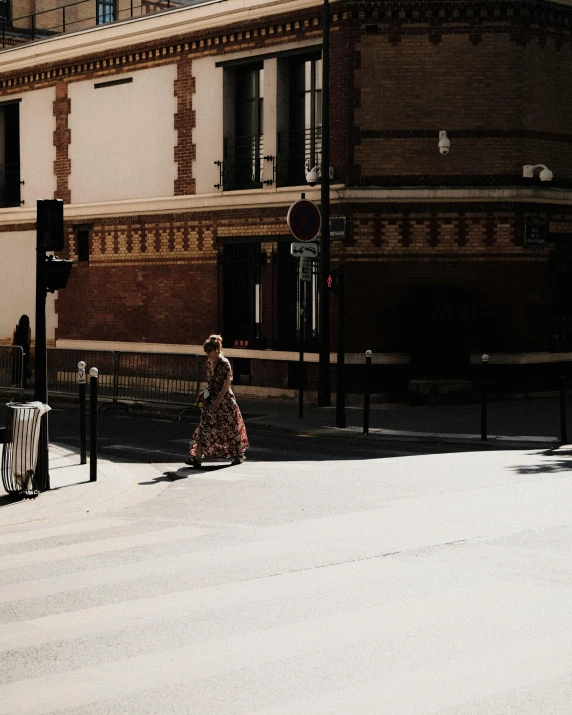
x=444, y=143
x=312, y=176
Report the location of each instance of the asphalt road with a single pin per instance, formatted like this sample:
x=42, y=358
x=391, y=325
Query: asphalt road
x=413, y=585
x=147, y=438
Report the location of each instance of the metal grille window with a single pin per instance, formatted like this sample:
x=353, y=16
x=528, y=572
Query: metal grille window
x=106, y=11
x=243, y=151
x=241, y=282
x=290, y=293
x=10, y=154
x=300, y=146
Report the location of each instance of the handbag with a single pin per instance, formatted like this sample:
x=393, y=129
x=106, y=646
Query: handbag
x=202, y=397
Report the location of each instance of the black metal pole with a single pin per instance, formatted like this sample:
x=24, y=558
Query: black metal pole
x=93, y=424
x=366, y=392
x=324, y=394
x=485, y=360
x=302, y=289
x=341, y=372
x=41, y=362
x=82, y=413
x=563, y=420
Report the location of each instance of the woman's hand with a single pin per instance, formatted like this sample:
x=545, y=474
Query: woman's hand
x=215, y=405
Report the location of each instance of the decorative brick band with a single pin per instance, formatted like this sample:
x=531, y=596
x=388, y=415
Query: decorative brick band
x=185, y=121
x=266, y=32
x=62, y=139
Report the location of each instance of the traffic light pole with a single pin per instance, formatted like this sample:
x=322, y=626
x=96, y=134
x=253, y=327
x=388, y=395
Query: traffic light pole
x=324, y=394
x=41, y=366
x=341, y=367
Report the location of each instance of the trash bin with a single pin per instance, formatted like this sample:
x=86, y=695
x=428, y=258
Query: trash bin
x=20, y=448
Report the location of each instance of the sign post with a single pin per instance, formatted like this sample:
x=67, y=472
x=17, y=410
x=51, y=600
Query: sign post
x=304, y=221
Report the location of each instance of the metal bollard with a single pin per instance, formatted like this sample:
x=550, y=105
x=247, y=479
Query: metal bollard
x=93, y=424
x=366, y=391
x=485, y=359
x=81, y=379
x=563, y=420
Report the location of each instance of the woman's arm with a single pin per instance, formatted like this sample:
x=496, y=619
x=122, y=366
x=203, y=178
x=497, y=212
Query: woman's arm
x=225, y=388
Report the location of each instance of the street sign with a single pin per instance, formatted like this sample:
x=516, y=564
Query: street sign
x=305, y=269
x=535, y=231
x=304, y=220
x=304, y=250
x=337, y=228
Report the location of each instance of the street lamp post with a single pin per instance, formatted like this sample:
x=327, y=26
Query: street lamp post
x=324, y=395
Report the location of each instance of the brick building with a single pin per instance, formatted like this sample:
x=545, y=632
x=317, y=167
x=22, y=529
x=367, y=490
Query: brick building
x=178, y=141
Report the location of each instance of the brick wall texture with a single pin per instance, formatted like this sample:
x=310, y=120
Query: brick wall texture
x=496, y=76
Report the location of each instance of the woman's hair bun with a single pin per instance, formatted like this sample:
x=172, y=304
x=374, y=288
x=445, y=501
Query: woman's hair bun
x=213, y=342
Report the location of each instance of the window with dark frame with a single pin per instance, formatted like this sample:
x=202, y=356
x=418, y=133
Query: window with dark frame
x=241, y=282
x=82, y=233
x=5, y=13
x=300, y=144
x=10, y=154
x=105, y=11
x=243, y=151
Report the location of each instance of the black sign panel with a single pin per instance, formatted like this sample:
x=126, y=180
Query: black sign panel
x=535, y=232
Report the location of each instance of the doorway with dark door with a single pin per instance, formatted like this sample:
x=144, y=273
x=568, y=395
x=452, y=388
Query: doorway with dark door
x=438, y=322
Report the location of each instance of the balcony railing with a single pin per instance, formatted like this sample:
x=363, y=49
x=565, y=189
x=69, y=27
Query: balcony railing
x=297, y=150
x=9, y=185
x=242, y=167
x=77, y=15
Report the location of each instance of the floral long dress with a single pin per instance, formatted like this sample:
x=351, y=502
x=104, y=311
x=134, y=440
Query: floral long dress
x=221, y=433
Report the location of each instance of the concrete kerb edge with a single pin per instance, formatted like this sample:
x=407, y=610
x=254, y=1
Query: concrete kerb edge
x=493, y=441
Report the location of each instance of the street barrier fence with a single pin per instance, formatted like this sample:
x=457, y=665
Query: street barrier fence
x=11, y=369
x=168, y=378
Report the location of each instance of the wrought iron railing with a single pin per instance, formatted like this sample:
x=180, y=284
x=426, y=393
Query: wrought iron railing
x=243, y=163
x=9, y=184
x=79, y=15
x=298, y=150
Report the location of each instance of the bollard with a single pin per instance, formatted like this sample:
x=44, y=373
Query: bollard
x=93, y=424
x=368, y=355
x=563, y=421
x=485, y=359
x=82, y=416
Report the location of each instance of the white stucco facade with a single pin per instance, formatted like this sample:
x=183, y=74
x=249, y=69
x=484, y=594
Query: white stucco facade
x=18, y=251
x=37, y=150
x=123, y=137
x=208, y=131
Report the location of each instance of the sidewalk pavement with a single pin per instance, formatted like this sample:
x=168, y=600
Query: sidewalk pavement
x=117, y=485
x=526, y=423
x=514, y=423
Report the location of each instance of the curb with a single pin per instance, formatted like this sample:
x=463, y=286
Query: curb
x=492, y=442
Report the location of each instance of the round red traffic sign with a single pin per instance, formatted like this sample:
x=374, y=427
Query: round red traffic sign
x=304, y=220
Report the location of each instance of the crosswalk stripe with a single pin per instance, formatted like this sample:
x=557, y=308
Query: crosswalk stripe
x=100, y=546
x=20, y=537
x=164, y=565
x=77, y=688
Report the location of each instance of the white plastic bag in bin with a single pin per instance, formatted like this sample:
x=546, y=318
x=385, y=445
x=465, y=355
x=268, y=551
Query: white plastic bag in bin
x=25, y=437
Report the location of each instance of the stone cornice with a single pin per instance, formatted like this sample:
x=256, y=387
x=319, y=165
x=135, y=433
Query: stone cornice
x=172, y=25
x=282, y=198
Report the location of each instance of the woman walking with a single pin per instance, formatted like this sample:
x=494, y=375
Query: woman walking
x=221, y=431
x=22, y=337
